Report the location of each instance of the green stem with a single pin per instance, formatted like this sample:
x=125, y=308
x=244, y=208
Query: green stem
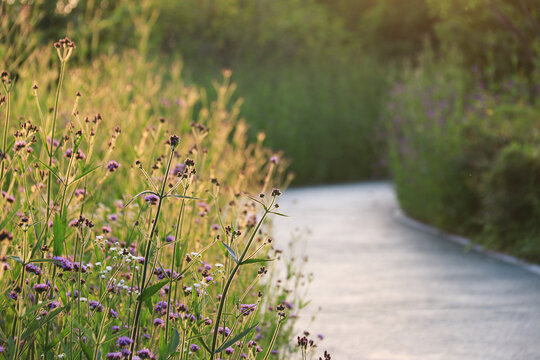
x=135, y=326
x=6, y=126
x=229, y=281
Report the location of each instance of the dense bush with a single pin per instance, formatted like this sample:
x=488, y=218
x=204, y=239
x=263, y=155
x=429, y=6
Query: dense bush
x=464, y=154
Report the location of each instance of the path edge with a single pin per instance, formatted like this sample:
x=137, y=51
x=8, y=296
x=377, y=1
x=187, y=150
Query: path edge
x=402, y=218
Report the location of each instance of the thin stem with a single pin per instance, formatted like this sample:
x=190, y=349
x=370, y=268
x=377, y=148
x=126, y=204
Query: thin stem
x=229, y=281
x=6, y=126
x=135, y=326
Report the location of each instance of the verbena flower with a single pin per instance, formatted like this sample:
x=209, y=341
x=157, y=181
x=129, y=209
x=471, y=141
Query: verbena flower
x=145, y=354
x=114, y=356
x=112, y=166
x=124, y=341
x=31, y=268
x=39, y=288
x=194, y=348
x=151, y=199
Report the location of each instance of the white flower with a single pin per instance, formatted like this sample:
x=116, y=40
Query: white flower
x=109, y=268
x=219, y=265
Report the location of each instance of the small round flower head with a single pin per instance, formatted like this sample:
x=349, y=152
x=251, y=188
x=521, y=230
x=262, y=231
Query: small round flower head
x=115, y=328
x=151, y=199
x=158, y=322
x=258, y=349
x=114, y=355
x=169, y=238
x=31, y=268
x=174, y=139
x=194, y=348
x=145, y=354
x=39, y=288
x=63, y=263
x=13, y=295
x=229, y=350
x=1, y=349
x=112, y=166
x=274, y=159
x=243, y=356
x=113, y=314
x=123, y=341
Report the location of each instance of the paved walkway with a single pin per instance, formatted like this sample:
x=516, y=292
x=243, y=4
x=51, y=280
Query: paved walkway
x=391, y=292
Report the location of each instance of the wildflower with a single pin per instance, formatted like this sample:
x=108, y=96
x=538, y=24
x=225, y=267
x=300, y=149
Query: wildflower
x=145, y=354
x=124, y=341
x=5, y=235
x=274, y=159
x=174, y=139
x=258, y=349
x=95, y=305
x=276, y=192
x=13, y=295
x=31, y=268
x=39, y=288
x=64, y=263
x=114, y=356
x=243, y=356
x=178, y=170
x=225, y=331
x=19, y=144
x=229, y=350
x=1, y=349
x=106, y=229
x=170, y=238
x=112, y=166
x=247, y=309
x=115, y=328
x=80, y=192
x=152, y=199
x=194, y=348
x=79, y=155
x=146, y=336
x=158, y=322
x=113, y=313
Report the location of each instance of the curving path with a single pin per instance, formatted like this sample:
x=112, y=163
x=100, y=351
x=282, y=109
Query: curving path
x=388, y=291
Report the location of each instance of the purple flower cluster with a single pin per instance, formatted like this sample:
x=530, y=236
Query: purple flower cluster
x=123, y=341
x=63, y=263
x=39, y=288
x=247, y=309
x=96, y=305
x=112, y=166
x=151, y=199
x=79, y=155
x=34, y=269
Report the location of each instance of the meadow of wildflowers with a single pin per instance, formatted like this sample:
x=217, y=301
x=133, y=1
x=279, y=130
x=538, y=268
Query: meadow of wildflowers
x=136, y=218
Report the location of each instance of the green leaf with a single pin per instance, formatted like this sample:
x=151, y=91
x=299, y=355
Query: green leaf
x=231, y=251
x=37, y=324
x=17, y=259
x=85, y=172
x=59, y=232
x=278, y=214
x=173, y=345
x=86, y=350
x=151, y=290
x=235, y=339
x=253, y=261
x=182, y=197
x=52, y=171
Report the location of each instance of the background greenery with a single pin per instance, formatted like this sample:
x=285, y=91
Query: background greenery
x=439, y=94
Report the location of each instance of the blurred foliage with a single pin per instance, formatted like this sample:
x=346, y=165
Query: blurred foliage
x=464, y=152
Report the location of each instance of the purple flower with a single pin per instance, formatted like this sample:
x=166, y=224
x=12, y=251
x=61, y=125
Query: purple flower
x=113, y=217
x=178, y=170
x=95, y=305
x=115, y=328
x=79, y=155
x=174, y=139
x=152, y=199
x=114, y=355
x=229, y=350
x=80, y=192
x=31, y=268
x=106, y=229
x=170, y=238
x=243, y=356
x=64, y=263
x=123, y=341
x=158, y=322
x=39, y=288
x=13, y=295
x=247, y=309
x=274, y=159
x=194, y=348
x=258, y=349
x=225, y=331
x=113, y=313
x=145, y=354
x=112, y=166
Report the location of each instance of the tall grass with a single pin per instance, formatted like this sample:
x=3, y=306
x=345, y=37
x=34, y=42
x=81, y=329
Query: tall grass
x=135, y=220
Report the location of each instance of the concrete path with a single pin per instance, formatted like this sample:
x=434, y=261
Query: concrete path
x=388, y=291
